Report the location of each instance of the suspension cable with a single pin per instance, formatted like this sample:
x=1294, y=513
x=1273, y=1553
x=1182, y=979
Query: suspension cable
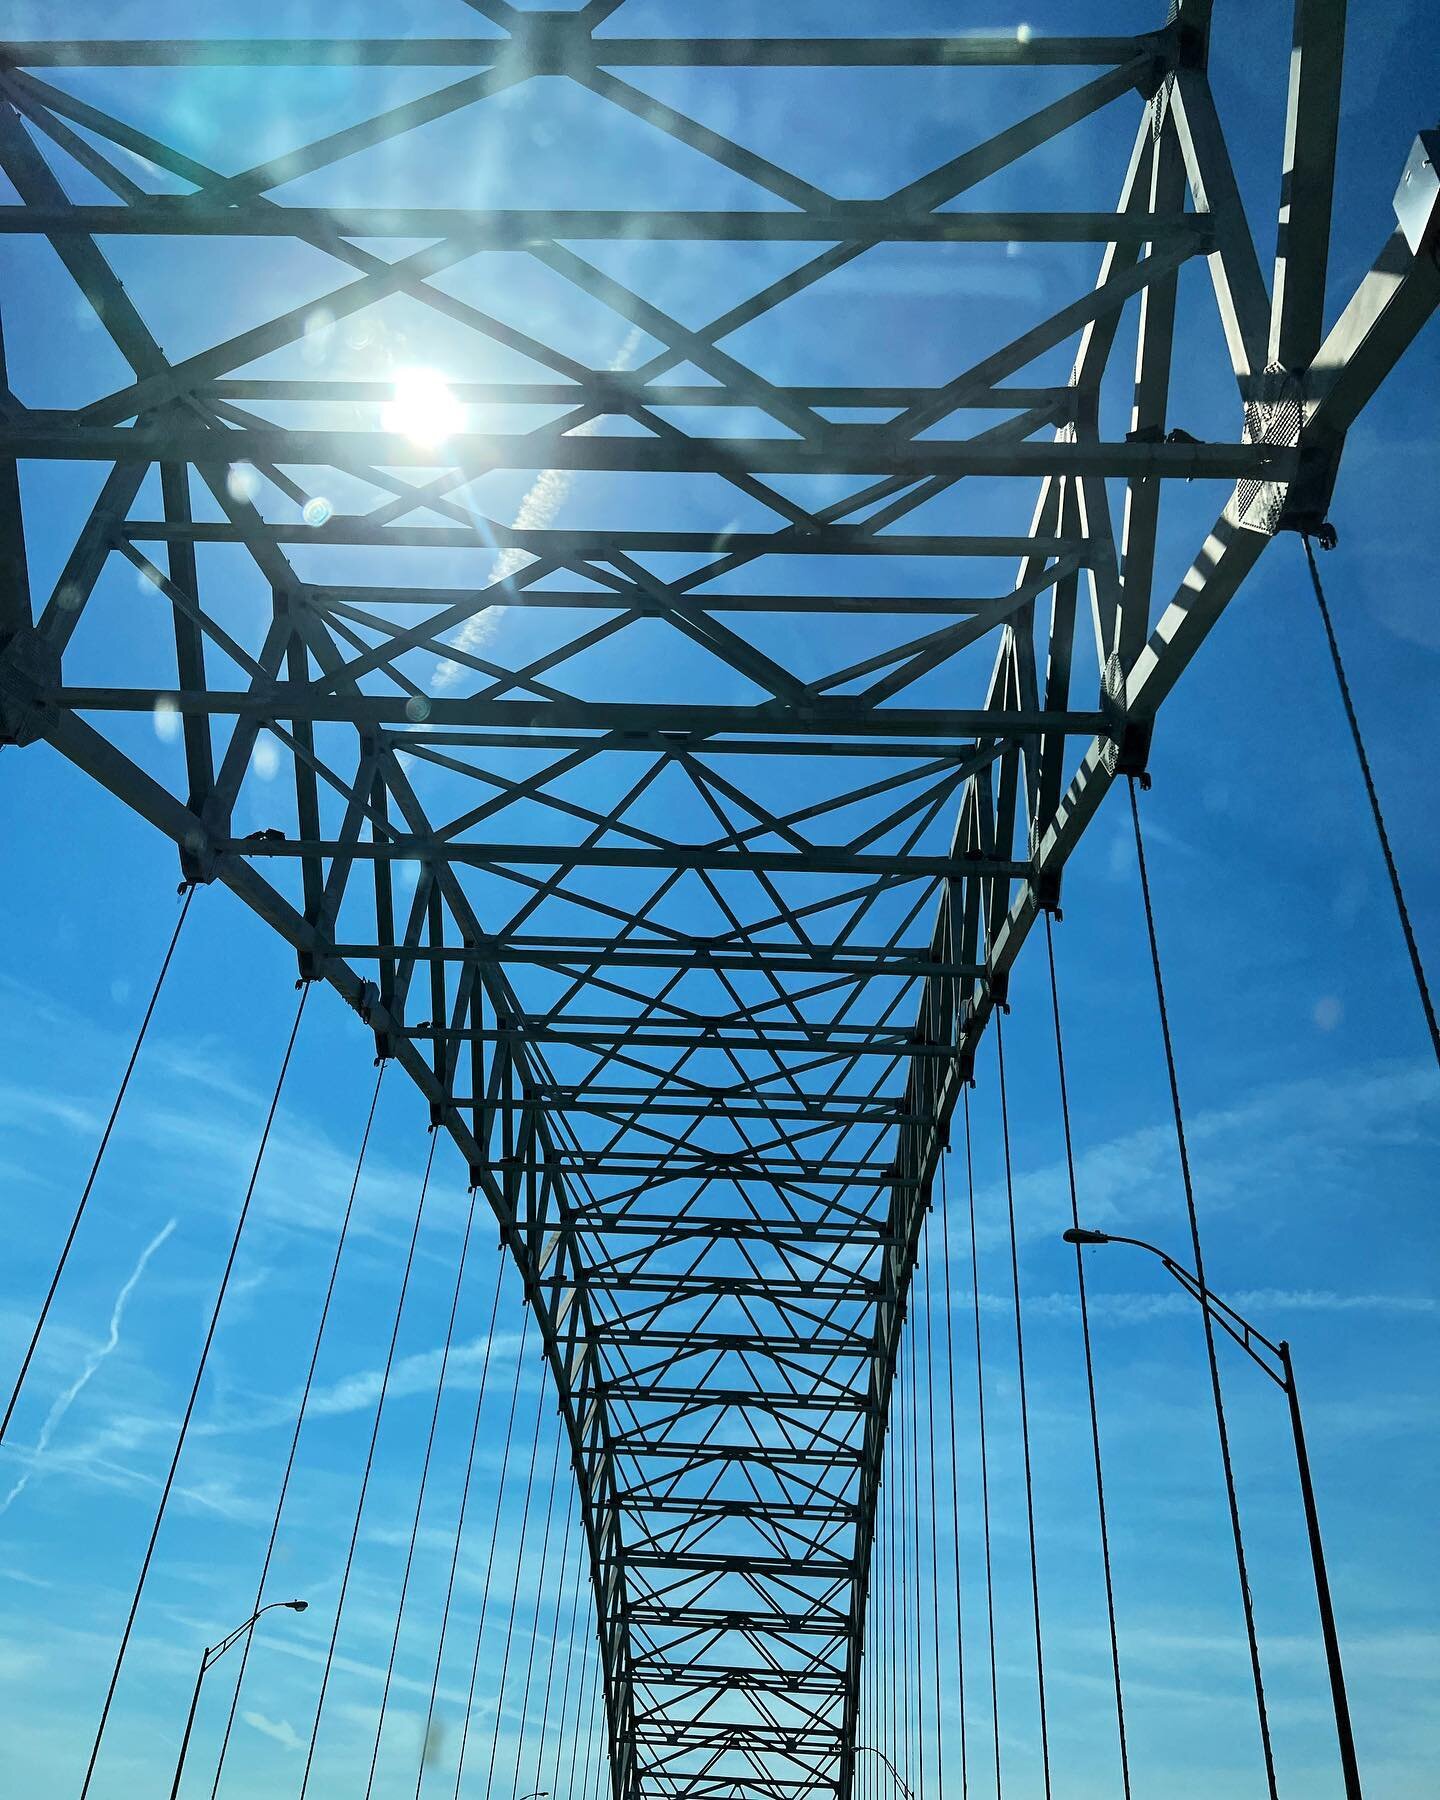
x=528, y=1496
x=902, y=1505
x=954, y=1479
x=984, y=1447
x=1024, y=1408
x=539, y=1603
x=189, y=1412
x=934, y=1512
x=866, y=1730
x=369, y=1466
x=494, y=1539
x=891, y=1620
x=460, y=1521
x=885, y=1595
x=1262, y=1712
x=1089, y=1366
x=1422, y=986
x=460, y=1268
x=340, y=1242
x=601, y=1748
x=881, y=1556
x=554, y=1639
x=589, y=1664
x=569, y=1671
x=66, y=1248
x=884, y=1685
x=918, y=1540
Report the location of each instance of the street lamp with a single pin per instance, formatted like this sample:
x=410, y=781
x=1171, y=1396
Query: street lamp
x=1255, y=1344
x=890, y=1766
x=539, y=1794
x=209, y=1656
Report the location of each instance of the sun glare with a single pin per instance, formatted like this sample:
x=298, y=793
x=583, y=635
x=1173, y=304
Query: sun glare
x=423, y=408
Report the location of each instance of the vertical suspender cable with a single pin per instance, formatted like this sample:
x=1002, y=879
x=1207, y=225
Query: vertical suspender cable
x=1247, y=1602
x=1024, y=1409
x=884, y=1677
x=934, y=1523
x=554, y=1634
x=598, y=1784
x=189, y=1412
x=1089, y=1367
x=460, y=1268
x=590, y=1665
x=369, y=1466
x=494, y=1540
x=460, y=1525
x=954, y=1480
x=1422, y=986
x=45, y=1304
x=874, y=1730
x=888, y=1687
x=340, y=1241
x=869, y=1730
x=598, y=1729
x=984, y=1447
x=569, y=1673
x=918, y=1539
x=902, y=1517
x=916, y=1613
x=514, y=1596
x=539, y=1603
x=889, y=1741
x=915, y=1773
x=880, y=1728
x=889, y=1612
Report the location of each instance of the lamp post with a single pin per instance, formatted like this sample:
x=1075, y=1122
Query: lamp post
x=1255, y=1344
x=208, y=1657
x=890, y=1766
x=539, y=1794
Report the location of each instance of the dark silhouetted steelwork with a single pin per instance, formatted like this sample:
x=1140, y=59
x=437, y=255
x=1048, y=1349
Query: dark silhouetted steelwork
x=691, y=971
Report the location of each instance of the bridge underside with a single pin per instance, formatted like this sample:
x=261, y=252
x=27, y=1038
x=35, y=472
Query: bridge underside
x=669, y=762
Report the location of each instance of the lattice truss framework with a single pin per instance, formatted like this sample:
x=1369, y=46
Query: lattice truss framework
x=677, y=860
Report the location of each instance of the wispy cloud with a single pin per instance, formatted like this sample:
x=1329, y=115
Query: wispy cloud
x=1331, y=1127
x=69, y=1396
x=1141, y=1308
x=45, y=1107
x=281, y=1730
x=411, y=1375
x=25, y=1580
x=179, y=1127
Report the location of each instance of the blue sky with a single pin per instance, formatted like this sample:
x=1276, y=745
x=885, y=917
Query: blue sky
x=1314, y=1107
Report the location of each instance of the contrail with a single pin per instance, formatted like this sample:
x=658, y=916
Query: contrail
x=72, y=1393
x=539, y=507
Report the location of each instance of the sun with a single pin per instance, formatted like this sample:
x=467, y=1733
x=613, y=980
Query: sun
x=423, y=408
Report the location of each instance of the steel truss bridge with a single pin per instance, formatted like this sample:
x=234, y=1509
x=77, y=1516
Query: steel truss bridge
x=678, y=860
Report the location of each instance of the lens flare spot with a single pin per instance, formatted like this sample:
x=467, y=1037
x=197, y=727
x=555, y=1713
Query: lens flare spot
x=423, y=408
x=166, y=719
x=317, y=511
x=1329, y=1011
x=319, y=332
x=241, y=481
